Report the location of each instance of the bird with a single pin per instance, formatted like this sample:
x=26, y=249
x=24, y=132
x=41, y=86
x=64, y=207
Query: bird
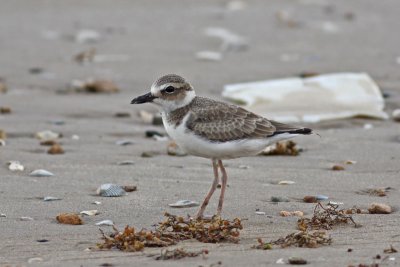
x=213, y=129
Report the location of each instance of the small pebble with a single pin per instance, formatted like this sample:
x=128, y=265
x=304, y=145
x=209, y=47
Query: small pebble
x=49, y=198
x=286, y=182
x=310, y=199
x=350, y=162
x=87, y=36
x=55, y=149
x=26, y=219
x=279, y=199
x=5, y=110
x=122, y=115
x=379, y=208
x=337, y=168
x=105, y=222
x=125, y=162
x=15, y=166
x=285, y=213
x=184, y=204
x=396, y=115
x=149, y=154
x=69, y=218
x=297, y=261
x=280, y=261
x=174, y=150
x=209, y=56
x=41, y=173
x=3, y=134
x=124, y=142
x=129, y=188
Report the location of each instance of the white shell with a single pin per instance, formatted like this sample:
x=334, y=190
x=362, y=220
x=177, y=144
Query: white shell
x=49, y=198
x=260, y=213
x=15, y=166
x=396, y=114
x=184, y=204
x=3, y=215
x=286, y=182
x=96, y=202
x=105, y=222
x=41, y=173
x=2, y=142
x=47, y=135
x=89, y=212
x=26, y=219
x=110, y=190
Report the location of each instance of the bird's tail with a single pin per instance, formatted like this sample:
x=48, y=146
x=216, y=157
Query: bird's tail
x=285, y=128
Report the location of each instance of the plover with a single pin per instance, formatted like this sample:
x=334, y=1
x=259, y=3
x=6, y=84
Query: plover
x=212, y=129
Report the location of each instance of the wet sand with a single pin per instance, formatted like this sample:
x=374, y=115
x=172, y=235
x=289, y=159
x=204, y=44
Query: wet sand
x=162, y=37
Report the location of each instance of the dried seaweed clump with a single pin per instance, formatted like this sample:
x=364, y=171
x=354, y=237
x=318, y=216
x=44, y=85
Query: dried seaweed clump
x=129, y=240
x=298, y=239
x=171, y=231
x=207, y=231
x=179, y=253
x=286, y=148
x=327, y=217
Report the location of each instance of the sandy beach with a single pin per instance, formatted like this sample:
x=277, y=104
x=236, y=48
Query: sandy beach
x=136, y=42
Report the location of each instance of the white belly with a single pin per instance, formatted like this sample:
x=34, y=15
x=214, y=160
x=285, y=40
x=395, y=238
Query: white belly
x=201, y=147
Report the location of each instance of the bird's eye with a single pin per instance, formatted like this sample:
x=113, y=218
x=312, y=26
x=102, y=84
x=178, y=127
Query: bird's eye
x=170, y=89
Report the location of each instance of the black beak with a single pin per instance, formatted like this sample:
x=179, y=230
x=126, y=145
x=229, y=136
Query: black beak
x=143, y=99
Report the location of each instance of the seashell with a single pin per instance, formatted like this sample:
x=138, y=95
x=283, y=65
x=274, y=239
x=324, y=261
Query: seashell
x=41, y=173
x=96, y=202
x=379, y=208
x=49, y=198
x=75, y=137
x=110, y=190
x=209, y=55
x=34, y=260
x=26, y=219
x=2, y=215
x=89, y=212
x=87, y=36
x=2, y=142
x=125, y=162
x=124, y=142
x=47, y=135
x=286, y=182
x=335, y=203
x=396, y=115
x=174, y=150
x=184, y=204
x=260, y=212
x=15, y=166
x=105, y=222
x=321, y=197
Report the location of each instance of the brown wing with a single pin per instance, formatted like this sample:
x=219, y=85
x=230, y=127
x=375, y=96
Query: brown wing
x=222, y=122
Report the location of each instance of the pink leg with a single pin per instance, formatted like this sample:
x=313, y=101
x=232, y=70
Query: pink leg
x=210, y=193
x=223, y=187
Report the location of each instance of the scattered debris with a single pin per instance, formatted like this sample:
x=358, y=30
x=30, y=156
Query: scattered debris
x=41, y=173
x=325, y=217
x=110, y=190
x=174, y=150
x=129, y=188
x=95, y=86
x=124, y=142
x=150, y=118
x=69, y=218
x=304, y=239
x=230, y=41
x=390, y=250
x=126, y=162
x=396, y=115
x=25, y=218
x=85, y=56
x=55, y=149
x=89, y=212
x=15, y=166
x=285, y=213
x=337, y=168
x=49, y=198
x=286, y=182
x=284, y=148
x=279, y=199
x=122, y=115
x=380, y=192
x=379, y=208
x=297, y=261
x=5, y=110
x=209, y=56
x=105, y=222
x=184, y=204
x=47, y=135
x=87, y=36
x=179, y=253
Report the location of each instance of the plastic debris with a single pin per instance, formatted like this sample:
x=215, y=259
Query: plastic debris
x=314, y=99
x=89, y=212
x=110, y=190
x=230, y=41
x=49, y=198
x=47, y=135
x=41, y=173
x=69, y=218
x=184, y=204
x=209, y=56
x=124, y=142
x=379, y=208
x=174, y=150
x=105, y=223
x=15, y=166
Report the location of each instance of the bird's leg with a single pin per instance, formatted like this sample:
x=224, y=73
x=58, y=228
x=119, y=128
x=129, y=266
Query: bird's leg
x=210, y=193
x=223, y=187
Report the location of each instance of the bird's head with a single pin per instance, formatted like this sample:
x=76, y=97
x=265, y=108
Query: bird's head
x=170, y=92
